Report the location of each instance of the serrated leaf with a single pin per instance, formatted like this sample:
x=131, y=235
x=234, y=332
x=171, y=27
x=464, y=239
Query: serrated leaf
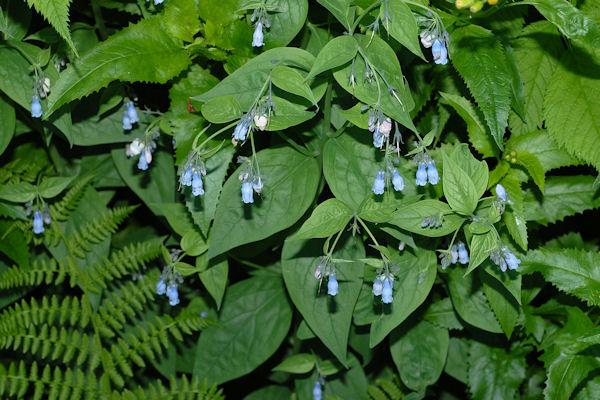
x=569, y=20
x=571, y=106
x=572, y=271
x=336, y=52
x=478, y=131
x=479, y=58
x=534, y=167
x=141, y=52
x=543, y=146
x=480, y=248
x=563, y=196
x=516, y=82
x=503, y=304
x=181, y=19
x=328, y=218
x=56, y=13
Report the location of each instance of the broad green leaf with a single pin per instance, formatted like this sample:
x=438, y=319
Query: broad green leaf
x=419, y=353
x=193, y=244
x=516, y=82
x=571, y=105
x=459, y=189
x=18, y=192
x=572, y=271
x=503, y=304
x=125, y=56
x=456, y=366
x=177, y=215
x=247, y=81
x=479, y=58
x=374, y=209
x=156, y=185
x=287, y=114
x=272, y=392
x=254, y=309
x=7, y=125
x=536, y=52
x=181, y=19
x=290, y=185
x=203, y=207
x=85, y=133
x=350, y=384
x=480, y=248
x=190, y=83
x=565, y=373
x=534, y=167
x=543, y=146
x=222, y=109
x=495, y=373
x=479, y=133
x=340, y=9
x=56, y=13
x=336, y=52
x=297, y=364
x=563, y=196
x=327, y=316
x=328, y=218
x=383, y=58
x=51, y=187
x=441, y=313
x=403, y=26
x=355, y=115
x=15, y=19
x=286, y=22
x=569, y=20
x=411, y=217
x=469, y=301
x=291, y=81
x=413, y=283
x=214, y=278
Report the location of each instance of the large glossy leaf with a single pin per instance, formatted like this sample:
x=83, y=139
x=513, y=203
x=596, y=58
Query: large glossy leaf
x=328, y=218
x=419, y=353
x=254, y=320
x=125, y=56
x=327, y=316
x=479, y=58
x=290, y=185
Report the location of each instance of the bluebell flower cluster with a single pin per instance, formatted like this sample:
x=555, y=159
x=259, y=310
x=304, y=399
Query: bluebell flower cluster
x=436, y=38
x=143, y=148
x=167, y=284
x=381, y=126
x=326, y=269
x=382, y=178
x=40, y=217
x=433, y=221
x=261, y=20
x=38, y=223
x=41, y=88
x=157, y=2
x=502, y=198
x=458, y=253
x=193, y=171
x=252, y=182
x=504, y=258
x=317, y=391
x=130, y=116
x=382, y=286
x=427, y=172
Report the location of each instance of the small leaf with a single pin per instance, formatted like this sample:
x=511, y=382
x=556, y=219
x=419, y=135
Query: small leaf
x=291, y=81
x=328, y=218
x=51, y=187
x=480, y=247
x=336, y=52
x=222, y=109
x=459, y=189
x=214, y=278
x=297, y=364
x=411, y=217
x=18, y=192
x=193, y=243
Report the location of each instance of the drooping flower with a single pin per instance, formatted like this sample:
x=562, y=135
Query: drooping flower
x=385, y=127
x=134, y=148
x=142, y=163
x=161, y=287
x=421, y=174
x=504, y=258
x=186, y=177
x=432, y=173
x=173, y=295
x=38, y=223
x=511, y=260
x=257, y=184
x=241, y=129
x=379, y=183
x=36, y=107
x=439, y=52
x=501, y=192
x=127, y=125
x=332, y=285
x=261, y=121
x=454, y=254
x=317, y=391
x=258, y=36
x=132, y=112
x=378, y=138
x=386, y=294
x=377, y=287
x=463, y=254
x=426, y=39
x=197, y=187
x=397, y=181
x=247, y=196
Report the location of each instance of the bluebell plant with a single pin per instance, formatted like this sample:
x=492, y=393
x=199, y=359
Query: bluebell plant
x=170, y=279
x=426, y=170
x=41, y=216
x=434, y=35
x=326, y=269
x=383, y=284
x=317, y=391
x=41, y=89
x=130, y=116
x=503, y=257
x=261, y=20
x=144, y=147
x=191, y=173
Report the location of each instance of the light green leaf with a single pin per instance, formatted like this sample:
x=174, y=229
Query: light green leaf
x=214, y=278
x=571, y=105
x=476, y=170
x=573, y=271
x=469, y=301
x=125, y=56
x=51, y=187
x=543, y=146
x=411, y=217
x=564, y=196
x=419, y=354
x=290, y=185
x=355, y=115
x=328, y=218
x=459, y=189
x=336, y=52
x=479, y=58
x=340, y=9
x=297, y=364
x=328, y=317
x=517, y=227
x=402, y=26
x=495, y=373
x=413, y=283
x=222, y=109
x=18, y=192
x=56, y=13
x=479, y=133
x=286, y=21
x=291, y=81
x=193, y=244
x=287, y=114
x=181, y=19
x=480, y=248
x=254, y=309
x=534, y=167
x=516, y=82
x=569, y=20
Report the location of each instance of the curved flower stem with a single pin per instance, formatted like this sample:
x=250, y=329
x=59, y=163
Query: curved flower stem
x=254, y=153
x=362, y=15
x=330, y=251
x=210, y=137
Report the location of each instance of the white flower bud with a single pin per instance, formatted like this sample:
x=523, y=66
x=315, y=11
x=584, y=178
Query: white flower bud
x=260, y=121
x=134, y=148
x=385, y=127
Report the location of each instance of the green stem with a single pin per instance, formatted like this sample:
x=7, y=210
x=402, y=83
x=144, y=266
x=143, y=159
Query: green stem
x=327, y=107
x=211, y=136
x=330, y=251
x=143, y=10
x=368, y=231
x=254, y=153
x=363, y=14
x=252, y=265
x=100, y=25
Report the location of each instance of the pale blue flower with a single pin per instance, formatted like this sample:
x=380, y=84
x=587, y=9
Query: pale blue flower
x=36, y=107
x=197, y=187
x=439, y=52
x=38, y=223
x=161, y=287
x=378, y=137
x=258, y=37
x=332, y=285
x=133, y=115
x=432, y=173
x=127, y=125
x=241, y=129
x=317, y=391
x=379, y=183
x=454, y=254
x=173, y=295
x=186, y=177
x=386, y=294
x=501, y=192
x=247, y=196
x=421, y=174
x=397, y=181
x=463, y=254
x=377, y=287
x=511, y=260
x=142, y=163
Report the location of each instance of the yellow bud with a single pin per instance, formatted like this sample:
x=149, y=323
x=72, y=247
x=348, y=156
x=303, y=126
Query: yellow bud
x=507, y=157
x=463, y=3
x=513, y=160
x=492, y=2
x=513, y=153
x=476, y=7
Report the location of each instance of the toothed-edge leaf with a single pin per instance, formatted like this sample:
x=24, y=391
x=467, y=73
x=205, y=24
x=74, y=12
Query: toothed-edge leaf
x=143, y=52
x=56, y=13
x=573, y=271
x=479, y=58
x=543, y=146
x=534, y=167
x=571, y=106
x=569, y=20
x=503, y=304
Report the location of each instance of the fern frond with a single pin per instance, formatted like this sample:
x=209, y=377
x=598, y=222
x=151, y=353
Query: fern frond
x=40, y=270
x=124, y=301
x=97, y=230
x=181, y=389
x=386, y=390
x=60, y=210
x=48, y=310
